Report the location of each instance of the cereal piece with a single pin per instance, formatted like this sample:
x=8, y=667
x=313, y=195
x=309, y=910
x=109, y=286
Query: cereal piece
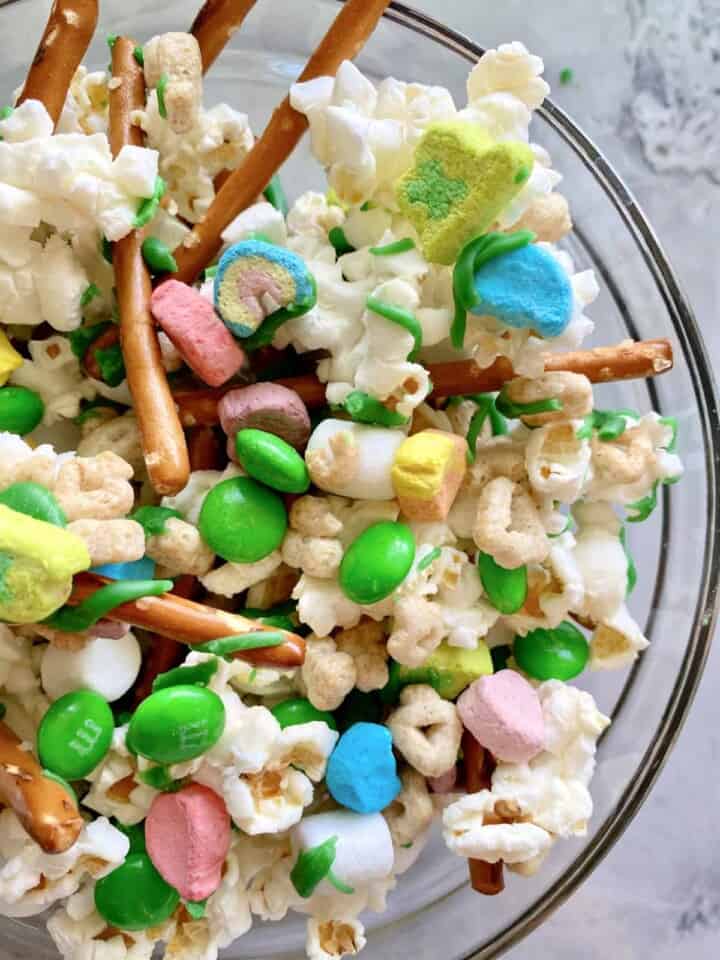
x=177, y=57
x=181, y=548
x=548, y=217
x=361, y=773
x=426, y=730
x=95, y=487
x=121, y=435
x=418, y=630
x=188, y=837
x=336, y=465
x=508, y=526
x=190, y=322
x=445, y=783
x=461, y=181
x=525, y=288
x=233, y=578
x=328, y=674
x=110, y=541
x=255, y=279
x=366, y=645
x=427, y=472
x=411, y=812
x=317, y=556
x=64, y=671
x=504, y=715
x=313, y=516
x=265, y=406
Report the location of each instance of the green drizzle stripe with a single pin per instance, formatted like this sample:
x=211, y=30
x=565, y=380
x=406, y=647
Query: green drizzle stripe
x=160, y=91
x=398, y=246
x=99, y=604
x=403, y=318
x=253, y=640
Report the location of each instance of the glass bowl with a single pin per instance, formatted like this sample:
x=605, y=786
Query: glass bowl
x=433, y=913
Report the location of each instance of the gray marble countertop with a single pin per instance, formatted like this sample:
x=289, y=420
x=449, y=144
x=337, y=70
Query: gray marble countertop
x=657, y=894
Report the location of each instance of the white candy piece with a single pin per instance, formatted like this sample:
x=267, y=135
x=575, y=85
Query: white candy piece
x=376, y=448
x=259, y=218
x=364, y=850
x=109, y=667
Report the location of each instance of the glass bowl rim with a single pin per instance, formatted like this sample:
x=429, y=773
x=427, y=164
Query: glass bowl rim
x=695, y=355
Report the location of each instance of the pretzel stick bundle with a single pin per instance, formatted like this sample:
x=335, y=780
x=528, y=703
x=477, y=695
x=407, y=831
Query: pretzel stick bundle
x=485, y=878
x=42, y=805
x=345, y=38
x=626, y=361
x=215, y=24
x=67, y=36
x=163, y=440
x=194, y=623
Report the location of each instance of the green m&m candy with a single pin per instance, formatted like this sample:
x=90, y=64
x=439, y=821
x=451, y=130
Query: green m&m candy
x=34, y=500
x=75, y=734
x=506, y=589
x=176, y=724
x=377, y=562
x=271, y=460
x=134, y=896
x=21, y=410
x=298, y=710
x=558, y=654
x=242, y=521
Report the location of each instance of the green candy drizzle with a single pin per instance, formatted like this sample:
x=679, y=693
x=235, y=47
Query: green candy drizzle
x=609, y=424
x=512, y=410
x=364, y=408
x=631, y=568
x=81, y=338
x=313, y=866
x=402, y=317
x=95, y=607
x=253, y=640
x=160, y=91
x=112, y=365
x=159, y=779
x=644, y=507
x=398, y=246
x=88, y=294
x=148, y=206
x=199, y=674
x=139, y=55
x=275, y=195
x=429, y=558
x=153, y=520
x=158, y=256
x=673, y=424
x=471, y=258
x=342, y=245
x=265, y=333
x=196, y=908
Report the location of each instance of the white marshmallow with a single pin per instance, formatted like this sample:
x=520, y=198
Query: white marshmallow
x=376, y=451
x=259, y=218
x=364, y=850
x=109, y=667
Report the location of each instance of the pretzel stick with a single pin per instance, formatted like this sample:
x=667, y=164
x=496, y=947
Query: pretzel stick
x=486, y=878
x=163, y=441
x=215, y=24
x=67, y=36
x=194, y=623
x=626, y=361
x=42, y=805
x=345, y=38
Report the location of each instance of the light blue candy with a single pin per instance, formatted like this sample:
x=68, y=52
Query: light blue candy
x=142, y=569
x=525, y=288
x=281, y=264
x=362, y=773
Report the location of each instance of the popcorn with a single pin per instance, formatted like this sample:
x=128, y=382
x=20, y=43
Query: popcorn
x=30, y=880
x=233, y=578
x=115, y=790
x=54, y=372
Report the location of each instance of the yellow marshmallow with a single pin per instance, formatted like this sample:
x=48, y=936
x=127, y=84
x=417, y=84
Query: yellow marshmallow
x=10, y=359
x=427, y=472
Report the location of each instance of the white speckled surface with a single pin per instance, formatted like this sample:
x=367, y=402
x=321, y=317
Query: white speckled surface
x=657, y=895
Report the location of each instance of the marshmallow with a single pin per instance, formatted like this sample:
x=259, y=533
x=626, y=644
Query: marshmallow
x=503, y=713
x=106, y=665
x=376, y=448
x=135, y=170
x=427, y=472
x=362, y=772
x=259, y=218
x=364, y=849
x=188, y=837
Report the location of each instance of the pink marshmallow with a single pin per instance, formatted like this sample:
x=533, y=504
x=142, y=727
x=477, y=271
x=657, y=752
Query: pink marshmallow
x=190, y=321
x=187, y=835
x=445, y=783
x=503, y=713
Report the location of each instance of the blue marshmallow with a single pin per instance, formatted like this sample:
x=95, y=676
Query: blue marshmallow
x=142, y=569
x=362, y=772
x=525, y=288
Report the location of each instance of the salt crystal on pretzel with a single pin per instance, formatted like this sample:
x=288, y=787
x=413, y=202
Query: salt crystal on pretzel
x=163, y=441
x=68, y=33
x=345, y=38
x=215, y=24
